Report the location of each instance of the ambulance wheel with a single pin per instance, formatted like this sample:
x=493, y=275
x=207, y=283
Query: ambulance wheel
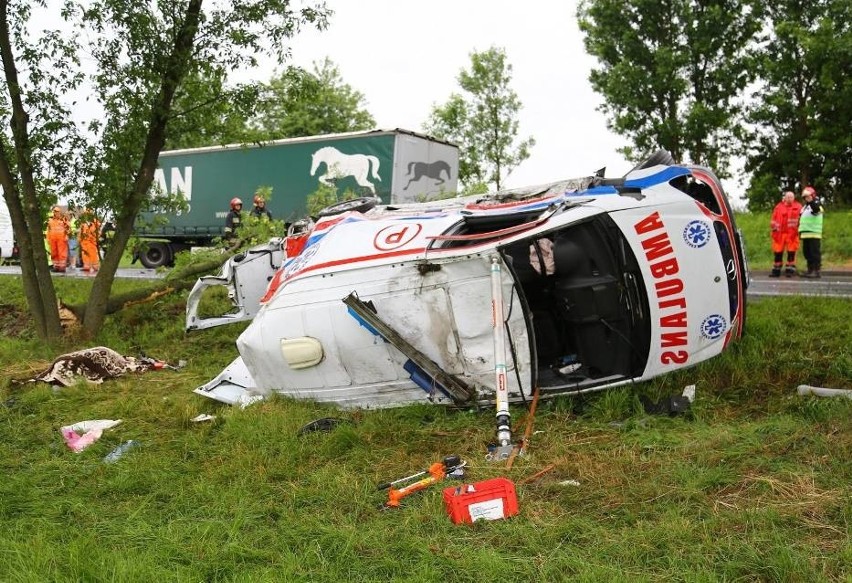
x=360, y=205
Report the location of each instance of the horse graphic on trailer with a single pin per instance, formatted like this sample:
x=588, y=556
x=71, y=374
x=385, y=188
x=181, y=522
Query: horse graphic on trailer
x=339, y=165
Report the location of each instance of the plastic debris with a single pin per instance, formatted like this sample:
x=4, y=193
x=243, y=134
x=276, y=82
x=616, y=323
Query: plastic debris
x=689, y=393
x=674, y=405
x=92, y=424
x=245, y=400
x=324, y=424
x=570, y=368
x=203, y=417
x=161, y=364
x=82, y=434
x=119, y=451
x=569, y=483
x=823, y=391
x=77, y=442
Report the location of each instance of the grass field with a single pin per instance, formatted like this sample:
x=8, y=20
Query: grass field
x=752, y=484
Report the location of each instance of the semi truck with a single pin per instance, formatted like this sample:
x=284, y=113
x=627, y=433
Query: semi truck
x=391, y=166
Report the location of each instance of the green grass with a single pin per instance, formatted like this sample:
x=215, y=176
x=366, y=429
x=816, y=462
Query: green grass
x=753, y=484
x=836, y=242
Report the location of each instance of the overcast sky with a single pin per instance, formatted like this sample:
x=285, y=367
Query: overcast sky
x=405, y=57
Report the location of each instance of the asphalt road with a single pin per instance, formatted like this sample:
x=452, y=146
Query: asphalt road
x=124, y=272
x=832, y=284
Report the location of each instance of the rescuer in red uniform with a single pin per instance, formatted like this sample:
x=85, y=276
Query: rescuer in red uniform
x=785, y=234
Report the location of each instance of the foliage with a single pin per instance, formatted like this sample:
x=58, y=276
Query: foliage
x=222, y=118
x=671, y=73
x=37, y=148
x=293, y=103
x=146, y=58
x=802, y=105
x=300, y=103
x=326, y=195
x=753, y=484
x=483, y=122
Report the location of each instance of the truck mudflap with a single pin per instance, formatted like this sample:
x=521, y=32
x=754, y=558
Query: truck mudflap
x=233, y=386
x=246, y=276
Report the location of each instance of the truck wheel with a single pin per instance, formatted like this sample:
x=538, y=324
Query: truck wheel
x=155, y=254
x=360, y=205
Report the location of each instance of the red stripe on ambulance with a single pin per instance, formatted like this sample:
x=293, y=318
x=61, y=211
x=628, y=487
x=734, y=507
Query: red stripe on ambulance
x=668, y=287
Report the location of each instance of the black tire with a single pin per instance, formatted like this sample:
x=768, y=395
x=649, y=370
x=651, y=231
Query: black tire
x=155, y=254
x=360, y=205
x=658, y=157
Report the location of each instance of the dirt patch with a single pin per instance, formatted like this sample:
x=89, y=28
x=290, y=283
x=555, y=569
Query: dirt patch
x=13, y=321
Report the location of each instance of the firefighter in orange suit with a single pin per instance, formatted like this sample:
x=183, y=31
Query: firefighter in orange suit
x=785, y=234
x=90, y=230
x=57, y=239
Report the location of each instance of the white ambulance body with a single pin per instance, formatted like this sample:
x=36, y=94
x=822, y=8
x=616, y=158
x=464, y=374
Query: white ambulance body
x=571, y=287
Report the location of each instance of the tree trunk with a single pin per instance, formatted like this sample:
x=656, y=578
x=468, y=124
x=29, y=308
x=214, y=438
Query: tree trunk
x=22, y=200
x=173, y=74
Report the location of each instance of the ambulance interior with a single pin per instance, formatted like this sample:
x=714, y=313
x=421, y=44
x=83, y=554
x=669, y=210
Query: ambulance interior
x=586, y=304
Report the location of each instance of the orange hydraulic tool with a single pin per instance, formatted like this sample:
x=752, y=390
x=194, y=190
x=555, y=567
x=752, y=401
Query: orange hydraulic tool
x=436, y=472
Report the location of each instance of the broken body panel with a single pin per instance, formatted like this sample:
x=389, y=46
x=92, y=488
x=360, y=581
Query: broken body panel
x=602, y=283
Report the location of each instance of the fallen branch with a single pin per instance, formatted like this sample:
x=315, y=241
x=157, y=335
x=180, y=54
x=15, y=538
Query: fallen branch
x=537, y=475
x=176, y=280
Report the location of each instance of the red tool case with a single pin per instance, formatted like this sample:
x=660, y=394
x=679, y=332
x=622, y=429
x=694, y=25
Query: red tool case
x=487, y=500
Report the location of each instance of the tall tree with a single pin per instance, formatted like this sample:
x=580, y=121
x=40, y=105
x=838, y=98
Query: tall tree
x=294, y=103
x=801, y=112
x=298, y=102
x=483, y=122
x=211, y=112
x=143, y=55
x=671, y=72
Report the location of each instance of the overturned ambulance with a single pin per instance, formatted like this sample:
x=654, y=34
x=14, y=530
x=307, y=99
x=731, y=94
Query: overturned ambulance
x=568, y=287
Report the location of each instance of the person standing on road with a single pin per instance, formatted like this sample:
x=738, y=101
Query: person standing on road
x=260, y=211
x=57, y=239
x=785, y=234
x=73, y=247
x=810, y=231
x=234, y=219
x=90, y=229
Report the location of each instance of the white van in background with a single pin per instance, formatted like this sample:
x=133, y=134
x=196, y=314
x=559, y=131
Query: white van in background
x=7, y=236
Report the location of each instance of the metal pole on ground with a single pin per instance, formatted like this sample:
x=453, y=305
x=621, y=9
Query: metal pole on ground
x=504, y=429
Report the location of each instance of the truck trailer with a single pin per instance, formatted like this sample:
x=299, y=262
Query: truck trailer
x=393, y=166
